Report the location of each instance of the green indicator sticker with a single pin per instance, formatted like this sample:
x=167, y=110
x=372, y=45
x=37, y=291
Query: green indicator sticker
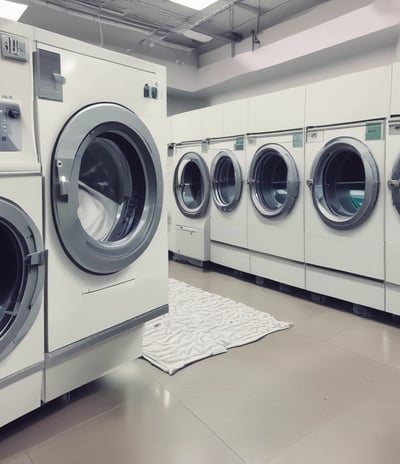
x=204, y=146
x=373, y=131
x=297, y=140
x=239, y=143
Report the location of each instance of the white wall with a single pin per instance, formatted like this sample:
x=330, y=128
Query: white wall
x=181, y=103
x=377, y=50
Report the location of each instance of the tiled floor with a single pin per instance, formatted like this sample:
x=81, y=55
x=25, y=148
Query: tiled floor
x=324, y=391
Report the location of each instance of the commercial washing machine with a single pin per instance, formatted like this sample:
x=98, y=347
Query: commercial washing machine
x=344, y=207
x=228, y=210
x=392, y=190
x=22, y=264
x=101, y=135
x=190, y=219
x=275, y=160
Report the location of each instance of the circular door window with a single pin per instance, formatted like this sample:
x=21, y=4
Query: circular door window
x=226, y=179
x=273, y=181
x=344, y=183
x=106, y=188
x=192, y=185
x=21, y=275
x=394, y=184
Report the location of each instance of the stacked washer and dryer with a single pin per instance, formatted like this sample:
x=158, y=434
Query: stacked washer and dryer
x=344, y=207
x=275, y=161
x=83, y=120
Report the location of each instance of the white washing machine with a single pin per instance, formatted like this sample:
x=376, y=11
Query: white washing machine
x=22, y=273
x=392, y=187
x=228, y=209
x=344, y=207
x=190, y=218
x=275, y=160
x=101, y=134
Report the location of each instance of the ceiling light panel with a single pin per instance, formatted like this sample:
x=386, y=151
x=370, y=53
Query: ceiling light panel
x=11, y=10
x=195, y=4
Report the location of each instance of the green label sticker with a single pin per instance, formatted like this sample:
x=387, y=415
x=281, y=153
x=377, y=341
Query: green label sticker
x=204, y=146
x=373, y=131
x=297, y=140
x=239, y=143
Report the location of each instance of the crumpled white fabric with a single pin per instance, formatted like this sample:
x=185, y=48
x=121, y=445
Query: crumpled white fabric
x=96, y=212
x=201, y=324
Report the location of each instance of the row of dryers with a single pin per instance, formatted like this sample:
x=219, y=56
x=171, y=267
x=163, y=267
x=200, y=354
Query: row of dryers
x=313, y=201
x=82, y=225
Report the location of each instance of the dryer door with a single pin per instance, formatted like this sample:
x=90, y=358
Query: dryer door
x=226, y=180
x=107, y=188
x=344, y=183
x=192, y=185
x=273, y=181
x=22, y=275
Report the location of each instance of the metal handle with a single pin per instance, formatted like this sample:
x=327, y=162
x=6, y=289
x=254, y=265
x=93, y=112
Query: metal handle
x=59, y=78
x=394, y=184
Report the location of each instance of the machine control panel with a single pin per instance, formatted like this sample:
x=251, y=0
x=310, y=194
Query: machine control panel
x=10, y=125
x=13, y=47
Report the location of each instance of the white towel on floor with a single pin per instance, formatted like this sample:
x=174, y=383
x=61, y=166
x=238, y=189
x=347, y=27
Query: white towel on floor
x=201, y=324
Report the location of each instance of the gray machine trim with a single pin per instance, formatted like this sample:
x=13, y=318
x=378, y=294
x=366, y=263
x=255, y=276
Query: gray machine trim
x=336, y=216
x=107, y=122
x=21, y=375
x=194, y=159
x=223, y=157
x=268, y=206
x=23, y=300
x=394, y=181
x=58, y=356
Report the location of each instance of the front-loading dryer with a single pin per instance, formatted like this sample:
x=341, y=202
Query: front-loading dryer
x=275, y=178
x=22, y=264
x=190, y=218
x=344, y=204
x=228, y=209
x=101, y=137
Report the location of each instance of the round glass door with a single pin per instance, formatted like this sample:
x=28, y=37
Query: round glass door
x=394, y=184
x=192, y=185
x=226, y=179
x=344, y=183
x=106, y=188
x=273, y=181
x=21, y=274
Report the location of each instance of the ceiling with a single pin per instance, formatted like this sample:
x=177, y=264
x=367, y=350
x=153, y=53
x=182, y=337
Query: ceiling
x=160, y=28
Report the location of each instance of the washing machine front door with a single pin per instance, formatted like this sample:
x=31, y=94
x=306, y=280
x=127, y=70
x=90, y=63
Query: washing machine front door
x=273, y=181
x=344, y=183
x=192, y=185
x=106, y=188
x=22, y=275
x=226, y=180
x=394, y=184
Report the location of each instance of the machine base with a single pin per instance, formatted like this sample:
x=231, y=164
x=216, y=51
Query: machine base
x=230, y=256
x=90, y=363
x=20, y=397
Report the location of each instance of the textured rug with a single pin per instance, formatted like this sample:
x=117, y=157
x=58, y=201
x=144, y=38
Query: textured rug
x=201, y=324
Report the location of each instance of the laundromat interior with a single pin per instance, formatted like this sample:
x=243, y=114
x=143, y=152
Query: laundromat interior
x=199, y=231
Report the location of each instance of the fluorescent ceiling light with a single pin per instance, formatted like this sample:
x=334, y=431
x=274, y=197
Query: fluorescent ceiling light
x=195, y=4
x=11, y=10
x=197, y=36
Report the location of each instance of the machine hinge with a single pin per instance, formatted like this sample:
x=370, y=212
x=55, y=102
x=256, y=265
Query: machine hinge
x=394, y=184
x=310, y=183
